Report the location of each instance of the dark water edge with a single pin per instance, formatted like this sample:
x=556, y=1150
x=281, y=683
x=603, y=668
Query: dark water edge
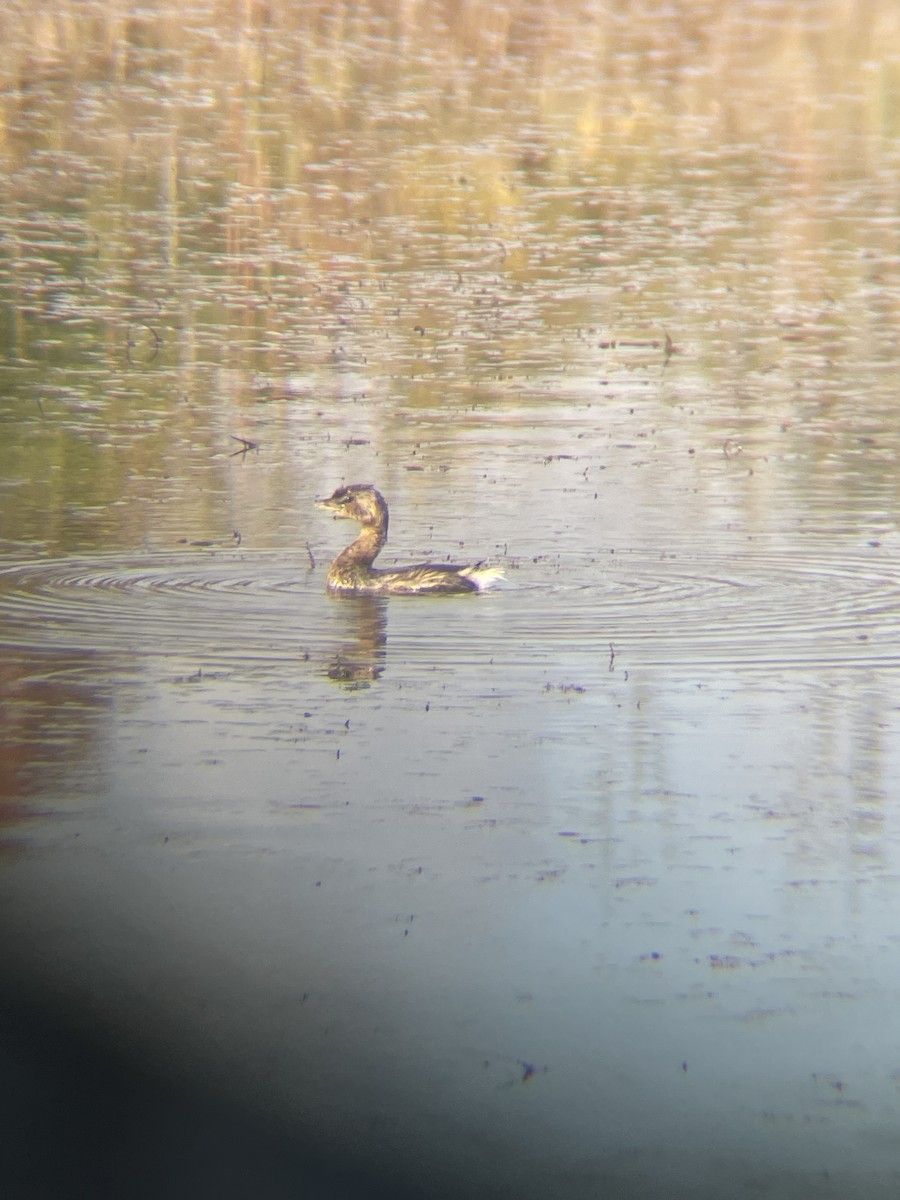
x=119, y=1129
x=86, y=1112
x=91, y=1110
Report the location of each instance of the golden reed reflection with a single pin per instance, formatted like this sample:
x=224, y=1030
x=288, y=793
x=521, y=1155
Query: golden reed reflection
x=212, y=208
x=267, y=82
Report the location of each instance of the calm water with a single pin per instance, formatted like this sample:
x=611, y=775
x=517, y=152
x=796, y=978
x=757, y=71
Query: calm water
x=586, y=886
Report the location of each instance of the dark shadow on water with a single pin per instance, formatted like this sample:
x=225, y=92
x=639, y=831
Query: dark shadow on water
x=82, y=1117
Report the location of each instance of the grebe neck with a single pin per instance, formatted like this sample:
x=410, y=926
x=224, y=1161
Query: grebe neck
x=365, y=549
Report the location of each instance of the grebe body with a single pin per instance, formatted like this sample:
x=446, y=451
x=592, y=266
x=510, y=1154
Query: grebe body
x=352, y=572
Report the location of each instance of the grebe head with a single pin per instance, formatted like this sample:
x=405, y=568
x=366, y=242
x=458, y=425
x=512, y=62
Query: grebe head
x=358, y=502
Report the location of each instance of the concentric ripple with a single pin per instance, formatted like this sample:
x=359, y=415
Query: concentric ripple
x=151, y=605
x=811, y=609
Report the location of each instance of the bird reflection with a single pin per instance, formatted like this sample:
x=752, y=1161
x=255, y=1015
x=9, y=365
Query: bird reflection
x=360, y=661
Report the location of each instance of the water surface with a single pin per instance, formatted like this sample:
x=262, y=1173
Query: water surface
x=586, y=885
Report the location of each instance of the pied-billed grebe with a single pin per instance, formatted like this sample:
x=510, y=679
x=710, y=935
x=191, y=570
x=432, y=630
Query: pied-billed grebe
x=352, y=572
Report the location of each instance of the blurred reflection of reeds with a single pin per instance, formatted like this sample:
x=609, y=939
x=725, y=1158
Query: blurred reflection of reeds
x=285, y=202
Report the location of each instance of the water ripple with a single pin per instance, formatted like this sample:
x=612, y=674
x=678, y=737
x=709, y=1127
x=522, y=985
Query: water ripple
x=814, y=608
x=750, y=608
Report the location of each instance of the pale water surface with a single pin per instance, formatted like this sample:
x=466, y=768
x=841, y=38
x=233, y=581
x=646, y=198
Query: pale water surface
x=586, y=886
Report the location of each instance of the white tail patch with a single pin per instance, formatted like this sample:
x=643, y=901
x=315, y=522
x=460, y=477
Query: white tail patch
x=483, y=577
